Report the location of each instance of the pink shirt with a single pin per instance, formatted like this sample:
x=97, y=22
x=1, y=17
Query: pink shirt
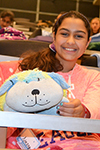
x=85, y=86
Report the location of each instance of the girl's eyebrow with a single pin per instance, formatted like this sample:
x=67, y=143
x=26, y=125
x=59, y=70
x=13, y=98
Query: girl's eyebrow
x=79, y=31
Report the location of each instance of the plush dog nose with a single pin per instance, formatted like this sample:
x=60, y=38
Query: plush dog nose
x=35, y=92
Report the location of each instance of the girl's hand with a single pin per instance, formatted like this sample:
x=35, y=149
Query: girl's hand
x=73, y=108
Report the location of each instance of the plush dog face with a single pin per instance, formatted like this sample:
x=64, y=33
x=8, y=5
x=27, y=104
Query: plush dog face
x=32, y=91
x=34, y=96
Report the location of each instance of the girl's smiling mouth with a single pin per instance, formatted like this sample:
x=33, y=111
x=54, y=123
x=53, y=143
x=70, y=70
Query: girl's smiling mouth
x=69, y=49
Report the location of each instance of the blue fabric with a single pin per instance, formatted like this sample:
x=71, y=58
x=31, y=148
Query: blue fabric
x=95, y=38
x=98, y=58
x=53, y=110
x=5, y=87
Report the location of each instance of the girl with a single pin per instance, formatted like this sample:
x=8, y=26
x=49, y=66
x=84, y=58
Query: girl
x=95, y=26
x=6, y=18
x=71, y=34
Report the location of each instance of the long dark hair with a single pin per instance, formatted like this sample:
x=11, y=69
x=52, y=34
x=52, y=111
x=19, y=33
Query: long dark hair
x=45, y=59
x=7, y=13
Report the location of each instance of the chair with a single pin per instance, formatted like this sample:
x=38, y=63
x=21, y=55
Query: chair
x=89, y=61
x=17, y=47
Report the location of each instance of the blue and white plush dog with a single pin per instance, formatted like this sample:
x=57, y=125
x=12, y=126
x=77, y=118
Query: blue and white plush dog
x=33, y=91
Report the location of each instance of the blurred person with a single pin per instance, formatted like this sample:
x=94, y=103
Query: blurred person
x=95, y=26
x=6, y=18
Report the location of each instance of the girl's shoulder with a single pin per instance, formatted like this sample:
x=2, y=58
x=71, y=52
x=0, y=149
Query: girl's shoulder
x=86, y=72
x=87, y=69
x=82, y=72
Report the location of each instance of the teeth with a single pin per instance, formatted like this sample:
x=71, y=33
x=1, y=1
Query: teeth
x=68, y=49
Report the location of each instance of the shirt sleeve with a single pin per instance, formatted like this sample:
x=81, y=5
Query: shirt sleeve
x=91, y=99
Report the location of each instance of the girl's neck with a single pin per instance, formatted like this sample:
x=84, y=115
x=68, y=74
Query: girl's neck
x=68, y=66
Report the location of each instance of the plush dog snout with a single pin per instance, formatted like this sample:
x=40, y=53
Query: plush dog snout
x=35, y=92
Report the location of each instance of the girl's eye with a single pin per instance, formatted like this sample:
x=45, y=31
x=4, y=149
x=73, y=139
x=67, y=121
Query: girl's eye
x=64, y=34
x=79, y=36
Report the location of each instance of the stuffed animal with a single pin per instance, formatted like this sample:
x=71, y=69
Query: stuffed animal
x=33, y=91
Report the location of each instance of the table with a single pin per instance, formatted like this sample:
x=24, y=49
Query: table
x=90, y=52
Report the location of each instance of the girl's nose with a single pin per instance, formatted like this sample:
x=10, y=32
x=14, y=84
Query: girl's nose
x=71, y=40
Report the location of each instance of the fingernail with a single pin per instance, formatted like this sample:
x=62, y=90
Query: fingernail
x=61, y=104
x=58, y=112
x=57, y=107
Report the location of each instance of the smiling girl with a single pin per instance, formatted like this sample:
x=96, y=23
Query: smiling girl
x=71, y=34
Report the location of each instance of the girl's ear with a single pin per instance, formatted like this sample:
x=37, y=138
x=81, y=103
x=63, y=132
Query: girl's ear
x=88, y=42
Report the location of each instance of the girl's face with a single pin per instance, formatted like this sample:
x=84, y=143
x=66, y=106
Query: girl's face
x=95, y=25
x=71, y=39
x=5, y=22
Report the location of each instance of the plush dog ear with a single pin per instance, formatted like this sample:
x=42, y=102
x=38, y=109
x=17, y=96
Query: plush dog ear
x=59, y=79
x=7, y=85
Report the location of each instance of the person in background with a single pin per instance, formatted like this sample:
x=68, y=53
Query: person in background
x=6, y=18
x=95, y=26
x=44, y=23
